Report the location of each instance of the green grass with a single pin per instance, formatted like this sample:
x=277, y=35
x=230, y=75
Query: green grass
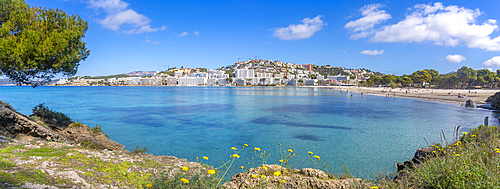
x=48, y=152
x=471, y=162
x=108, y=172
x=5, y=163
x=9, y=149
x=38, y=177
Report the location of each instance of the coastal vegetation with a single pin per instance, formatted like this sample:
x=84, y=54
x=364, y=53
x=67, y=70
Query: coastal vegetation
x=464, y=77
x=45, y=114
x=472, y=161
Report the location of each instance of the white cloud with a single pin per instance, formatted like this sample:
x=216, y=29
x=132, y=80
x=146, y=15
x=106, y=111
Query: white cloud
x=196, y=32
x=493, y=62
x=372, y=52
x=300, y=31
x=171, y=43
x=155, y=42
x=371, y=16
x=118, y=15
x=455, y=58
x=442, y=25
x=183, y=34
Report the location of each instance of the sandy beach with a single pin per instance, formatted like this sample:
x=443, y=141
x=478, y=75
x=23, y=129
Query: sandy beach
x=450, y=96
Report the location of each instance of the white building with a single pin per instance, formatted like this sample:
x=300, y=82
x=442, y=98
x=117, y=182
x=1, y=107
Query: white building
x=243, y=73
x=191, y=81
x=339, y=77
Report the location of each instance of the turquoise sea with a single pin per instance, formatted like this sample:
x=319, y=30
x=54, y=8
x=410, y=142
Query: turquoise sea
x=186, y=122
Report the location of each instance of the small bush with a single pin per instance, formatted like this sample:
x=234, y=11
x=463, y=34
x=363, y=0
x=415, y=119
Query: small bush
x=91, y=145
x=140, y=150
x=98, y=130
x=57, y=119
x=77, y=124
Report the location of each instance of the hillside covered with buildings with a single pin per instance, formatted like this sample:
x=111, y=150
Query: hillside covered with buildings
x=243, y=73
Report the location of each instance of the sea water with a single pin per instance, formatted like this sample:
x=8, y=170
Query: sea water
x=366, y=134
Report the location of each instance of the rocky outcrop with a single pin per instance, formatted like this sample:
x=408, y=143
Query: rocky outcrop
x=469, y=104
x=421, y=155
x=494, y=100
x=289, y=178
x=14, y=124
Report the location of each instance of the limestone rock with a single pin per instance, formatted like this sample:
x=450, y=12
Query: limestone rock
x=305, y=178
x=14, y=124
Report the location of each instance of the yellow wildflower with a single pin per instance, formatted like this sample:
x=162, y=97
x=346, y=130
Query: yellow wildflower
x=310, y=152
x=148, y=185
x=245, y=145
x=185, y=168
x=264, y=167
x=255, y=176
x=458, y=155
x=464, y=163
x=374, y=187
x=236, y=155
x=445, y=152
x=496, y=149
x=205, y=157
x=290, y=150
x=184, y=180
x=283, y=181
x=316, y=156
x=233, y=148
x=281, y=161
x=262, y=176
x=464, y=133
x=473, y=136
x=277, y=173
x=257, y=149
x=434, y=151
x=211, y=171
x=242, y=167
x=432, y=145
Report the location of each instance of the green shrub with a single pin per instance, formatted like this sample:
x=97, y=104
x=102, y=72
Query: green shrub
x=57, y=119
x=140, y=150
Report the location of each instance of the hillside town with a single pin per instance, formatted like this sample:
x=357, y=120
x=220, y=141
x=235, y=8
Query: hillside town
x=243, y=73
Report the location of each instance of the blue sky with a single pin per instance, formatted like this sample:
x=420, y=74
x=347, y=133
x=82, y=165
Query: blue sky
x=388, y=36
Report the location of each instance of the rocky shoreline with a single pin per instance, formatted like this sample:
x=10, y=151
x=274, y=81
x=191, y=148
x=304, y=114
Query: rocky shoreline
x=39, y=153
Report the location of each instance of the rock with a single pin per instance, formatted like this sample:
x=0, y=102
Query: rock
x=494, y=100
x=314, y=173
x=469, y=104
x=4, y=139
x=14, y=124
x=305, y=178
x=421, y=155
